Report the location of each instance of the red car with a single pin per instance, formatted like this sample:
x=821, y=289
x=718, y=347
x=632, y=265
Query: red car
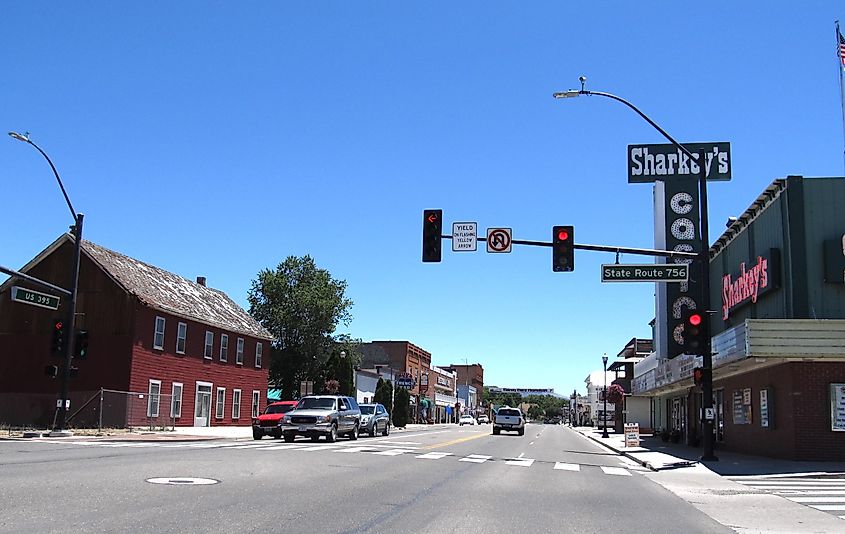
x=267, y=424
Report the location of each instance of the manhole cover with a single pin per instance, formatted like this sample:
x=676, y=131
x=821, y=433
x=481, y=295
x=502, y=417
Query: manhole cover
x=183, y=481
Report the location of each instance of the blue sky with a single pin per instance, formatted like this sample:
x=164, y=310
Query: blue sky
x=217, y=138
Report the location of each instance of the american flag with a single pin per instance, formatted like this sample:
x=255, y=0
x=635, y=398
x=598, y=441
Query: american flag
x=841, y=48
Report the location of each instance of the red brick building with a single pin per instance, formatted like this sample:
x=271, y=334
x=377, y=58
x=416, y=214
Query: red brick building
x=189, y=355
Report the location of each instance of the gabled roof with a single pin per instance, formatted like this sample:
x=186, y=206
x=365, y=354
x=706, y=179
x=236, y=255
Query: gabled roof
x=165, y=291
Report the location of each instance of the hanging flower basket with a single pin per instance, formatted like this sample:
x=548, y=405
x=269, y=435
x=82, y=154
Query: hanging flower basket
x=615, y=394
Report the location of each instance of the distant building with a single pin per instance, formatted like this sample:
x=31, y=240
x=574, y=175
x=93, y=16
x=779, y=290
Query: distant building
x=403, y=358
x=472, y=375
x=525, y=392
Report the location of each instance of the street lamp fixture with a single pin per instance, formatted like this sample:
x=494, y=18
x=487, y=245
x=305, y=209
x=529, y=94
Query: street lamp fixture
x=604, y=412
x=70, y=320
x=703, y=258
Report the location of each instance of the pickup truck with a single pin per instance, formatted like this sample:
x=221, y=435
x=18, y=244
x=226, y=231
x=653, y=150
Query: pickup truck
x=510, y=419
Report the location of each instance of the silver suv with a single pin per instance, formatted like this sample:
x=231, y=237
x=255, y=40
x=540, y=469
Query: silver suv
x=374, y=419
x=323, y=415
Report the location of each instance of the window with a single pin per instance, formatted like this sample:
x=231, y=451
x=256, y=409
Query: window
x=209, y=343
x=224, y=347
x=181, y=336
x=153, y=398
x=236, y=404
x=176, y=400
x=239, y=352
x=158, y=338
x=256, y=398
x=221, y=402
x=259, y=349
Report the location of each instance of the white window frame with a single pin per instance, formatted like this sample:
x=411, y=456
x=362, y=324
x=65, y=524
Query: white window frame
x=153, y=399
x=239, y=352
x=224, y=347
x=181, y=335
x=259, y=353
x=256, y=402
x=176, y=400
x=220, y=405
x=236, y=404
x=156, y=332
x=209, y=345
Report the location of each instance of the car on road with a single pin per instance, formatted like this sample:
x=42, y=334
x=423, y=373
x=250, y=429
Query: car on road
x=374, y=419
x=466, y=420
x=323, y=415
x=483, y=419
x=269, y=422
x=510, y=419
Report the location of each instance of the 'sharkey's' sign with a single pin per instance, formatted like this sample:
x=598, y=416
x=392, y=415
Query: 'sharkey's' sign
x=750, y=283
x=648, y=163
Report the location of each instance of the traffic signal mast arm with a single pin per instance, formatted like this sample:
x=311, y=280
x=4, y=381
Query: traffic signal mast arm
x=603, y=248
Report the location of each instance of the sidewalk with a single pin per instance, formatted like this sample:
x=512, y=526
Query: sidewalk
x=744, y=509
x=190, y=433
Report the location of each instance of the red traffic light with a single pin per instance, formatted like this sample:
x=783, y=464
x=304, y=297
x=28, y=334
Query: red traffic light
x=58, y=325
x=694, y=319
x=698, y=376
x=563, y=235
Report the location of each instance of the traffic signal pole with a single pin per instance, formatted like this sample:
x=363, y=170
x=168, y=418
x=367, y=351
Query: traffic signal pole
x=70, y=321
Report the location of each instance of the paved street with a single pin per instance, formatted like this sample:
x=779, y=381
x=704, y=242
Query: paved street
x=443, y=480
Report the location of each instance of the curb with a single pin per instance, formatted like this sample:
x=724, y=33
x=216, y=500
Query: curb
x=644, y=463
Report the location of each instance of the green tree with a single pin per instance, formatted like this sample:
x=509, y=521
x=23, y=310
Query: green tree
x=401, y=407
x=535, y=412
x=300, y=305
x=383, y=394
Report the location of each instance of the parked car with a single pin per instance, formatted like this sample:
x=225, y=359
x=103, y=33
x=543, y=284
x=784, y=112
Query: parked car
x=483, y=419
x=466, y=420
x=510, y=419
x=323, y=415
x=374, y=419
x=269, y=423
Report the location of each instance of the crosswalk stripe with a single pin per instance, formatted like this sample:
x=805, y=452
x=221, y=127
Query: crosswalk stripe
x=521, y=462
x=567, y=467
x=245, y=447
x=434, y=455
x=475, y=458
x=818, y=499
x=357, y=449
x=615, y=471
x=776, y=483
x=318, y=448
x=392, y=452
x=828, y=507
x=810, y=492
x=282, y=447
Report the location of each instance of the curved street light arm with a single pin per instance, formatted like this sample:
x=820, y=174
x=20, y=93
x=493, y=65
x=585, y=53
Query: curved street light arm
x=681, y=147
x=56, y=174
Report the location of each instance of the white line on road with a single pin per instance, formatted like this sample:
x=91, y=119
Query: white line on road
x=475, y=458
x=806, y=491
x=615, y=471
x=393, y=452
x=818, y=499
x=357, y=449
x=567, y=467
x=434, y=455
x=521, y=462
x=521, y=455
x=532, y=443
x=283, y=447
x=779, y=483
x=319, y=448
x=829, y=507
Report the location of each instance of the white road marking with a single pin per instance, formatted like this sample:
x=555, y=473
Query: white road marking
x=357, y=449
x=532, y=443
x=521, y=462
x=829, y=507
x=615, y=471
x=475, y=458
x=521, y=455
x=818, y=499
x=246, y=447
x=567, y=467
x=805, y=491
x=434, y=455
x=283, y=447
x=319, y=448
x=392, y=452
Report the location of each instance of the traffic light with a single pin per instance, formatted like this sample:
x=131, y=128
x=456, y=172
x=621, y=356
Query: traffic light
x=694, y=331
x=432, y=229
x=698, y=376
x=52, y=371
x=80, y=349
x=563, y=249
x=58, y=337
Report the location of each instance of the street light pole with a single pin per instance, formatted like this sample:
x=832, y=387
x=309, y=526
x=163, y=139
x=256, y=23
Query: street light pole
x=70, y=320
x=604, y=412
x=703, y=258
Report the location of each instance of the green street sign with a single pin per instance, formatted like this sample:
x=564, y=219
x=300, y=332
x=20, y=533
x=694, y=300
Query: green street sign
x=649, y=272
x=35, y=298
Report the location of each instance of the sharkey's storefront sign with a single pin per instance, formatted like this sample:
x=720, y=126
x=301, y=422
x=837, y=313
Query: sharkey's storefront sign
x=649, y=163
x=751, y=282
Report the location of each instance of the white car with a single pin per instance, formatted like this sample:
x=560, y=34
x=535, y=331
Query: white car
x=466, y=420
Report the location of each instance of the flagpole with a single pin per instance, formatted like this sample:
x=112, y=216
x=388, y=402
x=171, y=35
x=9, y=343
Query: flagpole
x=840, y=56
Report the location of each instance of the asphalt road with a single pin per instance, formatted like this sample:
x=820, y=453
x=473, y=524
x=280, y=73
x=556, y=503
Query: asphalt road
x=433, y=481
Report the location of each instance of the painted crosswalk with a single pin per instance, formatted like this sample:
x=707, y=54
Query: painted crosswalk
x=825, y=493
x=381, y=448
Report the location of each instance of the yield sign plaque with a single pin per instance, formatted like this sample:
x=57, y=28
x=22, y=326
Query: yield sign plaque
x=499, y=240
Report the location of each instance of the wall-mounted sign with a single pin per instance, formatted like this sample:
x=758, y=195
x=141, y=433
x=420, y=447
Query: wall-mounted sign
x=751, y=282
x=764, y=408
x=442, y=381
x=650, y=163
x=741, y=409
x=837, y=407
